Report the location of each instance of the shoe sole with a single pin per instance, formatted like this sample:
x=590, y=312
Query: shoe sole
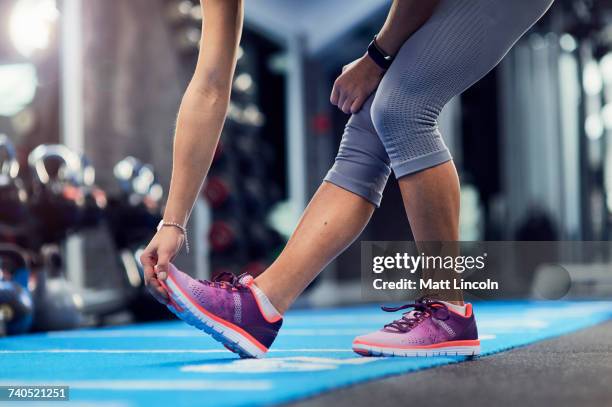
x=222, y=331
x=451, y=348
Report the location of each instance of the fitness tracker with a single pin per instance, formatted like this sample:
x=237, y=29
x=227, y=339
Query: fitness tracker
x=378, y=55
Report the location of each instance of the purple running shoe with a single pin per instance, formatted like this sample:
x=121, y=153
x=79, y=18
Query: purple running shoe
x=225, y=308
x=429, y=329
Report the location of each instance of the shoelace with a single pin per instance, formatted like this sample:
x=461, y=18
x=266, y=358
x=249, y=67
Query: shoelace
x=225, y=280
x=422, y=308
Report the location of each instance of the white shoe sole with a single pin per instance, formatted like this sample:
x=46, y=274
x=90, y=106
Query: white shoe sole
x=370, y=350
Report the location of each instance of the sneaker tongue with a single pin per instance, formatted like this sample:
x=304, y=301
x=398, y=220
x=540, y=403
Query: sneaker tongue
x=246, y=280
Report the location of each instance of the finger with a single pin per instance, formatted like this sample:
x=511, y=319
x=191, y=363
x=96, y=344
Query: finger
x=357, y=104
x=161, y=269
x=346, y=105
x=335, y=95
x=158, y=291
x=147, y=259
x=341, y=100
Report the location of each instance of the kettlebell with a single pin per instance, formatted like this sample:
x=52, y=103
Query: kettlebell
x=16, y=307
x=56, y=305
x=95, y=200
x=57, y=197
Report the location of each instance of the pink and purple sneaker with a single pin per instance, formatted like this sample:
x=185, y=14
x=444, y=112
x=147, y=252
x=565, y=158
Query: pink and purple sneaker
x=430, y=328
x=226, y=308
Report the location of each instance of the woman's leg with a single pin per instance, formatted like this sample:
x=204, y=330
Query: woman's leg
x=431, y=201
x=332, y=221
x=336, y=215
x=461, y=42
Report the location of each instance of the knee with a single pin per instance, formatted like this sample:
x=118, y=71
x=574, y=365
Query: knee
x=403, y=113
x=362, y=165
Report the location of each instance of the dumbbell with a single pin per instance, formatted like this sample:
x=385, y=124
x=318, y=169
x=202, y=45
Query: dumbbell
x=243, y=87
x=245, y=116
x=183, y=11
x=224, y=236
x=136, y=210
x=13, y=195
x=219, y=191
x=135, y=177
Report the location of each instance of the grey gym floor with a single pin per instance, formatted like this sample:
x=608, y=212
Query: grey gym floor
x=573, y=370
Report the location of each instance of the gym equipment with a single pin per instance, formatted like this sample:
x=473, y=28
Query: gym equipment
x=15, y=307
x=218, y=191
x=56, y=305
x=57, y=201
x=95, y=198
x=13, y=195
x=219, y=156
x=188, y=39
x=259, y=198
x=244, y=85
x=184, y=11
x=248, y=116
x=15, y=299
x=2, y=325
x=136, y=211
x=223, y=236
x=262, y=240
x=132, y=216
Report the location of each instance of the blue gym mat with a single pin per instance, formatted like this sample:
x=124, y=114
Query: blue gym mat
x=173, y=364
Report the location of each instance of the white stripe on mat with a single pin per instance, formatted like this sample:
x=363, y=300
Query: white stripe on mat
x=192, y=333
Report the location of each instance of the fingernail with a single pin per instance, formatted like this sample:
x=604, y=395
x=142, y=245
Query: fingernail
x=162, y=275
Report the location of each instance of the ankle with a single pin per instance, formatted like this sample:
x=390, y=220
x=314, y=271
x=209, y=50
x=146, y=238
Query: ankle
x=267, y=292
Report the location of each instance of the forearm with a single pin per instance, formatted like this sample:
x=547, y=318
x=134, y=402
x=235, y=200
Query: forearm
x=204, y=106
x=198, y=128
x=405, y=17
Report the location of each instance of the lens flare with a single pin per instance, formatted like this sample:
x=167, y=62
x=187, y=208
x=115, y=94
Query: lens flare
x=31, y=25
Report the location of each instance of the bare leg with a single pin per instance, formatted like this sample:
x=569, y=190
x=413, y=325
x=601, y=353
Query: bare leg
x=332, y=221
x=335, y=218
x=431, y=199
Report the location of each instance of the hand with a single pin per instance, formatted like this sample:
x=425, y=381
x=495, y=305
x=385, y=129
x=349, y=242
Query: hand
x=356, y=83
x=156, y=257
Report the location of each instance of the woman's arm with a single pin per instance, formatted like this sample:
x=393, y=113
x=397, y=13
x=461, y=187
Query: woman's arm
x=361, y=77
x=200, y=120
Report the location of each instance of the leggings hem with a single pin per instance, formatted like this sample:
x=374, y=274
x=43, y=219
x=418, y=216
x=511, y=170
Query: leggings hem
x=354, y=186
x=421, y=163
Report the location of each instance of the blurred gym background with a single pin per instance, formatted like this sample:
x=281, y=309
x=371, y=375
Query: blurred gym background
x=89, y=92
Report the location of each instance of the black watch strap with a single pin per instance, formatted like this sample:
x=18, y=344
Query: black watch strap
x=378, y=56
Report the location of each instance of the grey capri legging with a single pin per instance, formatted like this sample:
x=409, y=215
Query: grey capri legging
x=397, y=128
